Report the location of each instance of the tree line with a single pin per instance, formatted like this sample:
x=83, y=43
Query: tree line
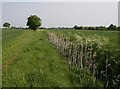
x=34, y=22
x=111, y=27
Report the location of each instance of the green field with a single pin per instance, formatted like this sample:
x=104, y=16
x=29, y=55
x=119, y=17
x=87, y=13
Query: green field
x=111, y=35
x=29, y=60
x=0, y=57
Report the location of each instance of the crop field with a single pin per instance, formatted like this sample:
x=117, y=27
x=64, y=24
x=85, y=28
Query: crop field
x=60, y=58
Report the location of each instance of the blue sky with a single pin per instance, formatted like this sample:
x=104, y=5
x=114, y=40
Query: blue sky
x=54, y=14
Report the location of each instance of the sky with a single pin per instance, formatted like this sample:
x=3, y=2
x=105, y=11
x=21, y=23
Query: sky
x=61, y=14
x=0, y=14
x=119, y=13
x=59, y=0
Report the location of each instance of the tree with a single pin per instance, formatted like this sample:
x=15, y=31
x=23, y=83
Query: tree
x=78, y=27
x=118, y=28
x=75, y=27
x=34, y=22
x=6, y=24
x=112, y=26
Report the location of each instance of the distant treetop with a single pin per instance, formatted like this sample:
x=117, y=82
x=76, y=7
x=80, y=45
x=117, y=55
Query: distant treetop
x=34, y=22
x=6, y=24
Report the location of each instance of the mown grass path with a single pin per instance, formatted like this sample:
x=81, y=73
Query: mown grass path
x=29, y=60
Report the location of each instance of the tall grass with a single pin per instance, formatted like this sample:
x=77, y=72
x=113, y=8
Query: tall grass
x=0, y=57
x=111, y=35
x=29, y=60
x=89, y=52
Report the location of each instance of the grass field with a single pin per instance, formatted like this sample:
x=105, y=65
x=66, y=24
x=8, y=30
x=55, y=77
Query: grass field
x=111, y=35
x=0, y=57
x=30, y=60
